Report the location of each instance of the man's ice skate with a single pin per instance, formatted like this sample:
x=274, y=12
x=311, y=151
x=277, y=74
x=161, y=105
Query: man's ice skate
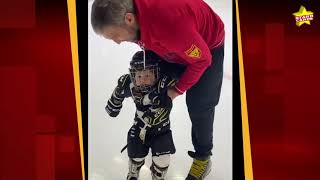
x=134, y=169
x=200, y=168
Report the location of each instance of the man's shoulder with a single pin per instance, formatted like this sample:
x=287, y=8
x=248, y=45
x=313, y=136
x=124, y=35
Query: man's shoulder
x=155, y=10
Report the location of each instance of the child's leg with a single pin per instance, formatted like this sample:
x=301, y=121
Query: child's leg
x=162, y=147
x=137, y=152
x=135, y=165
x=159, y=167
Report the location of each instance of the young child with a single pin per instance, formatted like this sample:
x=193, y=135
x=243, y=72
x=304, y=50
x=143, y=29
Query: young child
x=151, y=127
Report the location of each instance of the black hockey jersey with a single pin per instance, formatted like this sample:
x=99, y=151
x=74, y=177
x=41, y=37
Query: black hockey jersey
x=152, y=108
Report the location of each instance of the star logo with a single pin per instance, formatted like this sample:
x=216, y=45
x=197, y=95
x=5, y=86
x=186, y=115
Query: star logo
x=303, y=16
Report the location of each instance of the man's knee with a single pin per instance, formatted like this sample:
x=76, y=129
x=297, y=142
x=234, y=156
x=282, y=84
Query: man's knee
x=197, y=103
x=201, y=113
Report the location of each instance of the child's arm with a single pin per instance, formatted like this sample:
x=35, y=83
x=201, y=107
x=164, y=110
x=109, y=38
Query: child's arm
x=159, y=96
x=120, y=92
x=161, y=103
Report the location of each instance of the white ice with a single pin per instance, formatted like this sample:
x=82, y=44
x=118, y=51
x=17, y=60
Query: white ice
x=107, y=61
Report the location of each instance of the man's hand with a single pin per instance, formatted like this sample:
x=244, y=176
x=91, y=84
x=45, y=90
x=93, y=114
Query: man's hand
x=172, y=93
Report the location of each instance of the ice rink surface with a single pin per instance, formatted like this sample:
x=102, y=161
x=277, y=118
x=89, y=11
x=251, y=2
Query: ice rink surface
x=107, y=62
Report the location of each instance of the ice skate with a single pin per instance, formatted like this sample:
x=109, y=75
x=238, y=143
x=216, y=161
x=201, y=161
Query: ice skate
x=200, y=167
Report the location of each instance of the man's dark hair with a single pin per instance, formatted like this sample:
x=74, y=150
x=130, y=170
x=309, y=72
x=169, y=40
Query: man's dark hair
x=109, y=12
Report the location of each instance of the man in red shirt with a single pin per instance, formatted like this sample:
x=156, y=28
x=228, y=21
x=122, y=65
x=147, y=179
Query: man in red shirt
x=190, y=37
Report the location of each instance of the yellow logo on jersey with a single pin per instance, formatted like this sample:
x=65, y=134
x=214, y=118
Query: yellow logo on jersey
x=193, y=52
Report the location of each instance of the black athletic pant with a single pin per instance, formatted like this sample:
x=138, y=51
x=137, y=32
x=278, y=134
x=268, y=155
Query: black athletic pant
x=201, y=100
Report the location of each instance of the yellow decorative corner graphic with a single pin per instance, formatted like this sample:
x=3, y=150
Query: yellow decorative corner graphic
x=75, y=62
x=193, y=52
x=303, y=16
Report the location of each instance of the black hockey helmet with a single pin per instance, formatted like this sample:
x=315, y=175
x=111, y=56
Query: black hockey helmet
x=144, y=60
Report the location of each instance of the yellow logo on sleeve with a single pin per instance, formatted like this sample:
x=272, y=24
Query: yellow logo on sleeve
x=193, y=52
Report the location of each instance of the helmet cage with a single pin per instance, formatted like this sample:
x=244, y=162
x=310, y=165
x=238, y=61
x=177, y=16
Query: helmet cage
x=144, y=88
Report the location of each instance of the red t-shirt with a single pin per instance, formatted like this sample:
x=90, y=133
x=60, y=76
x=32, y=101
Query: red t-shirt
x=181, y=31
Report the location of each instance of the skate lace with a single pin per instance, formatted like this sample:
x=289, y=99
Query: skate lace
x=198, y=168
